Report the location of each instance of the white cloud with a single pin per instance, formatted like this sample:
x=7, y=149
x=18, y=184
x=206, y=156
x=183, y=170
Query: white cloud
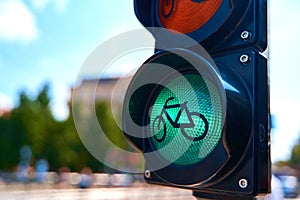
x=5, y=102
x=59, y=105
x=60, y=79
x=16, y=22
x=59, y=5
x=284, y=76
x=1, y=63
x=286, y=132
x=40, y=4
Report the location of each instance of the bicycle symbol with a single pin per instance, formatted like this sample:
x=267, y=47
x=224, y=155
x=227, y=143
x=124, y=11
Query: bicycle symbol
x=171, y=3
x=159, y=122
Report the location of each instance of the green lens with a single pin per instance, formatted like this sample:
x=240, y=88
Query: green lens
x=186, y=120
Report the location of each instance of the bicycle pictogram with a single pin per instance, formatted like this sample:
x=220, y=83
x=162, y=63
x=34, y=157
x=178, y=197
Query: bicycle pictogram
x=159, y=123
x=168, y=7
x=166, y=4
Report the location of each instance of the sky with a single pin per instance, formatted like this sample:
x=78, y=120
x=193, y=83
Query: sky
x=47, y=41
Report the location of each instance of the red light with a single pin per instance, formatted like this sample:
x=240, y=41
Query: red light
x=186, y=16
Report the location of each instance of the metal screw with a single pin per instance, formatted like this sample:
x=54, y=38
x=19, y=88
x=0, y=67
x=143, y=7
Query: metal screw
x=243, y=183
x=244, y=58
x=147, y=174
x=245, y=35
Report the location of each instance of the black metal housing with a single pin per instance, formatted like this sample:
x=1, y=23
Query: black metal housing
x=244, y=151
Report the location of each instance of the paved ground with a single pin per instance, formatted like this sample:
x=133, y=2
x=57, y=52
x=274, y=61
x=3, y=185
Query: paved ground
x=132, y=193
x=44, y=192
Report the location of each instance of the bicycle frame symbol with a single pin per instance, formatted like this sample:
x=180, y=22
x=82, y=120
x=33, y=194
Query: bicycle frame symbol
x=159, y=122
x=167, y=3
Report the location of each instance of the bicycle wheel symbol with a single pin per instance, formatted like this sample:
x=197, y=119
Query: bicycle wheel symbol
x=159, y=128
x=200, y=132
x=167, y=8
x=195, y=129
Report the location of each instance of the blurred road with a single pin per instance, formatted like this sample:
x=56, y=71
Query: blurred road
x=121, y=193
x=57, y=192
x=132, y=193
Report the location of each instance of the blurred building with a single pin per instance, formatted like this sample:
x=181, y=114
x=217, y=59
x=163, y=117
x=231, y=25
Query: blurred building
x=5, y=112
x=108, y=89
x=90, y=91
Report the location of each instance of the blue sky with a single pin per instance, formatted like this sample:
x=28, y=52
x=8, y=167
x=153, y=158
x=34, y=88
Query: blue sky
x=48, y=41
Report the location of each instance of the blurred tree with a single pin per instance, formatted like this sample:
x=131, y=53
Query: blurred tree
x=109, y=126
x=73, y=153
x=295, y=157
x=32, y=123
x=11, y=140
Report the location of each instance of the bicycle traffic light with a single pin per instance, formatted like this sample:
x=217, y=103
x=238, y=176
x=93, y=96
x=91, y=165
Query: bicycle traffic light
x=198, y=109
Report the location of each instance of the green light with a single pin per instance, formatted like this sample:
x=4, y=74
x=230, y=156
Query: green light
x=186, y=120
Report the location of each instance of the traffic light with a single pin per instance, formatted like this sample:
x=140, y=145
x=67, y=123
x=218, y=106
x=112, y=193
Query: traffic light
x=198, y=109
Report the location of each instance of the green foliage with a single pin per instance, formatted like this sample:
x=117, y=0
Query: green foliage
x=295, y=157
x=109, y=126
x=10, y=141
x=32, y=123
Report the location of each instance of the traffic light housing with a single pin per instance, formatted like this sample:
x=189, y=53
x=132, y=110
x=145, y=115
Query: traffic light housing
x=201, y=116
